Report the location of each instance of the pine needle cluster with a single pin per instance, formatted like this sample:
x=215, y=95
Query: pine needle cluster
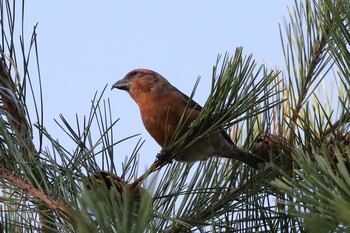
x=289, y=117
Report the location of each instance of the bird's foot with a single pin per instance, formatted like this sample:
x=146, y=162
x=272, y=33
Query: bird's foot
x=163, y=157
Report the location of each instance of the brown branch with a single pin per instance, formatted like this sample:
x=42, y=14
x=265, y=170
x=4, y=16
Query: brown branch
x=29, y=189
x=17, y=119
x=315, y=58
x=12, y=105
x=343, y=119
x=156, y=165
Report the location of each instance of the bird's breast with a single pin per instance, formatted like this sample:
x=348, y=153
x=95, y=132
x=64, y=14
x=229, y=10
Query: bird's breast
x=158, y=118
x=161, y=115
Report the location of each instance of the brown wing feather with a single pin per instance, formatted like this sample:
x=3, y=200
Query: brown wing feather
x=187, y=100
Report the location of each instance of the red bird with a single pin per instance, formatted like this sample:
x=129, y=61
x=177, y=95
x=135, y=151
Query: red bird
x=162, y=105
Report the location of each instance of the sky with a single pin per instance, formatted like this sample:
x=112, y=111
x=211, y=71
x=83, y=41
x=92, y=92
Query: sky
x=84, y=46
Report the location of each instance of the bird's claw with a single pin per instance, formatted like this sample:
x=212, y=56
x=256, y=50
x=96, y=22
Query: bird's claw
x=163, y=157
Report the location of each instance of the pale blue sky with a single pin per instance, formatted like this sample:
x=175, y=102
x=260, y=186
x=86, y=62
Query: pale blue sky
x=84, y=45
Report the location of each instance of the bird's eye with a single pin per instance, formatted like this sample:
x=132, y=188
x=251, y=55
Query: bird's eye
x=133, y=74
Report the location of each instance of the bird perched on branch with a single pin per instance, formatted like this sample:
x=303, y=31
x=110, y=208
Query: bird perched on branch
x=162, y=106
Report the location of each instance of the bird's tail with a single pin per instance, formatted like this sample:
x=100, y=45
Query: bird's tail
x=244, y=156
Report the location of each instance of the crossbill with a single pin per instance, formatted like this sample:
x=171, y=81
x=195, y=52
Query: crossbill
x=162, y=105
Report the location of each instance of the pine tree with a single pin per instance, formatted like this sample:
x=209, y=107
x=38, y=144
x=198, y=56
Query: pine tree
x=289, y=117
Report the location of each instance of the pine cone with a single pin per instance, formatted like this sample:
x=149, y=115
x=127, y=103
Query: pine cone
x=115, y=184
x=269, y=146
x=342, y=144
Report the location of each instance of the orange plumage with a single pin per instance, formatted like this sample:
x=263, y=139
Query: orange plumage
x=162, y=105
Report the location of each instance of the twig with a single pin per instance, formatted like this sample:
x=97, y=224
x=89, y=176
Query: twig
x=320, y=44
x=19, y=124
x=29, y=189
x=344, y=118
x=11, y=104
x=156, y=165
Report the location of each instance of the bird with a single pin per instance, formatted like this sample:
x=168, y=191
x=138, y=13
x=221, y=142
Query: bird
x=162, y=105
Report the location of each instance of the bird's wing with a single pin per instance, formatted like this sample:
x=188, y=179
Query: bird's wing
x=227, y=137
x=187, y=100
x=194, y=105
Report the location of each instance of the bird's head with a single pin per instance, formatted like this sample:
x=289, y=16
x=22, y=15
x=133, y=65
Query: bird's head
x=141, y=81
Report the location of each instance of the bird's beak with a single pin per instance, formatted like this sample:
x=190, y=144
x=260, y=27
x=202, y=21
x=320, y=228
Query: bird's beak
x=122, y=85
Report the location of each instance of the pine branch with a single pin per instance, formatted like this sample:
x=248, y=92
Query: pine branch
x=12, y=105
x=39, y=194
x=212, y=210
x=218, y=193
x=13, y=101
x=318, y=187
x=307, y=80
x=343, y=119
x=317, y=49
